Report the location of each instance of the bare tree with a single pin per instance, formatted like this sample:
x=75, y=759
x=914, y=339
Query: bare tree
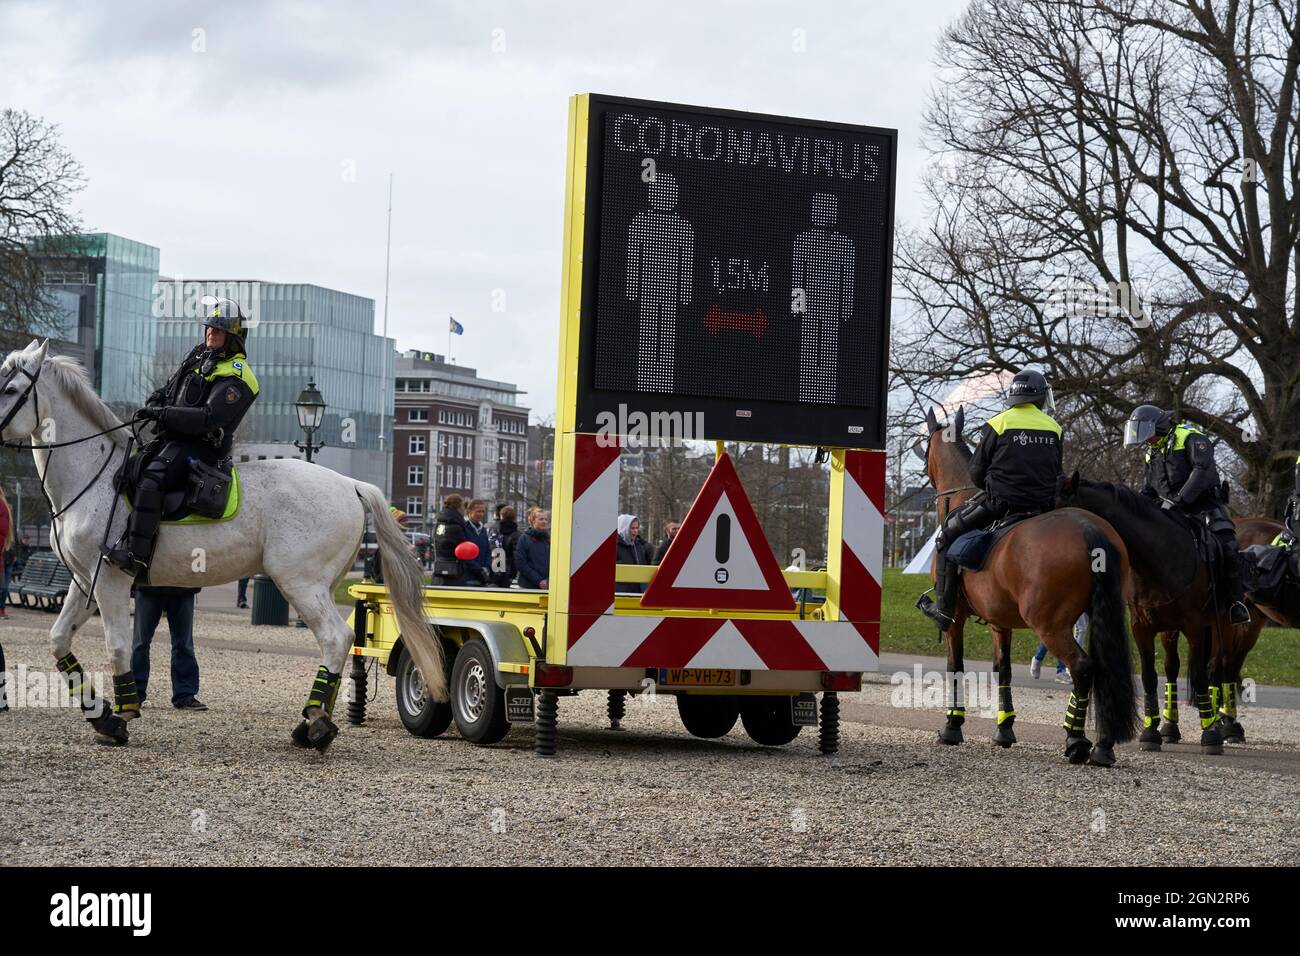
x=1115, y=200
x=38, y=179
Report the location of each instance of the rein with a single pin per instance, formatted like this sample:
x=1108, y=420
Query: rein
x=32, y=393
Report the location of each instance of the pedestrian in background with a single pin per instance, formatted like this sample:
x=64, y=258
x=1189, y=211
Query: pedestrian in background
x=478, y=570
x=631, y=549
x=533, y=553
x=505, y=535
x=178, y=604
x=241, y=600
x=8, y=557
x=670, y=532
x=449, y=533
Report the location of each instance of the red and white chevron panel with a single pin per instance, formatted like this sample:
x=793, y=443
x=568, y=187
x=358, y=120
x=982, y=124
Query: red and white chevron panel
x=862, y=543
x=599, y=638
x=593, y=532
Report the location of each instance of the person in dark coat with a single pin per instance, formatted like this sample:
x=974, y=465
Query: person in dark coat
x=505, y=535
x=670, y=532
x=448, y=533
x=533, y=552
x=632, y=549
x=478, y=570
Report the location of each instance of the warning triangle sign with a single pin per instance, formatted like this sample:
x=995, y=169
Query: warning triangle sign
x=720, y=557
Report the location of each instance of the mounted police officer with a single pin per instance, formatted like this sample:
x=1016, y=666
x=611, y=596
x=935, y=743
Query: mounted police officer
x=1292, y=516
x=196, y=412
x=1182, y=476
x=1016, y=466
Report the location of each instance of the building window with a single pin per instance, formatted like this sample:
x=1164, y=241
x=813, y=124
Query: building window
x=417, y=446
x=415, y=475
x=442, y=444
x=415, y=507
x=418, y=415
x=442, y=416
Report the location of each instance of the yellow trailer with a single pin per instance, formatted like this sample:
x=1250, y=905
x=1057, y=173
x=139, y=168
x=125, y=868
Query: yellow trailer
x=726, y=277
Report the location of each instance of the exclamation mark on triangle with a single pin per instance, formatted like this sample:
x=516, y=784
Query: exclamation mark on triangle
x=722, y=547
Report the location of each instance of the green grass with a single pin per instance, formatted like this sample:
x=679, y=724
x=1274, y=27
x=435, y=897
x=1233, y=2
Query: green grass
x=903, y=630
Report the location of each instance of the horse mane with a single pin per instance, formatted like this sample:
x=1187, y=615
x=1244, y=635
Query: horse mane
x=1126, y=498
x=73, y=380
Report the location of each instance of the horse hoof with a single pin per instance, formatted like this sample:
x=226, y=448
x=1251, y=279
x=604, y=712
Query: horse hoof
x=950, y=736
x=1149, y=740
x=1077, y=749
x=1169, y=731
x=1211, y=742
x=1103, y=755
x=110, y=731
x=1004, y=737
x=1232, y=731
x=130, y=715
x=299, y=736
x=321, y=733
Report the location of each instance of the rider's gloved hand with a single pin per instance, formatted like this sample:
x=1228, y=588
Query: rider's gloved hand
x=1167, y=503
x=151, y=413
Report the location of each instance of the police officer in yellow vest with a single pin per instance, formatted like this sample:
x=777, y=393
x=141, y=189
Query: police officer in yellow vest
x=1016, y=464
x=197, y=412
x=1293, y=504
x=1181, y=475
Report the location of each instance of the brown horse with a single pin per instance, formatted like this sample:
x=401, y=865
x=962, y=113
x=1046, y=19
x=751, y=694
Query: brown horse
x=1172, y=591
x=1042, y=574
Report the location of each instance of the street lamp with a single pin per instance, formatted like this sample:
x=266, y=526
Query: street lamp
x=311, y=410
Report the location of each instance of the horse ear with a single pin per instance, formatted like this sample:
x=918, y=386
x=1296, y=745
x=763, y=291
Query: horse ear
x=1072, y=484
x=959, y=420
x=39, y=357
x=931, y=421
x=920, y=452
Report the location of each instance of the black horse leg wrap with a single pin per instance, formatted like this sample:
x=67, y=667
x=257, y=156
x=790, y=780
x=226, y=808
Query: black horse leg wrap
x=323, y=691
x=80, y=687
x=127, y=697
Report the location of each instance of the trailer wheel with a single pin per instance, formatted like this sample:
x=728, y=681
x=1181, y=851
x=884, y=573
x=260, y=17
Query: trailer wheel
x=707, y=715
x=477, y=703
x=768, y=720
x=419, y=714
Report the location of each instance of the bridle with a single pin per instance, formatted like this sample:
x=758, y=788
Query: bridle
x=31, y=393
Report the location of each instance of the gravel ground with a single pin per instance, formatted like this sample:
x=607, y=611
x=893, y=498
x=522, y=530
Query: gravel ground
x=225, y=787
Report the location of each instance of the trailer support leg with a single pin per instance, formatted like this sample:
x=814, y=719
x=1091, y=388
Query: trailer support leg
x=617, y=708
x=548, y=706
x=357, y=705
x=829, y=737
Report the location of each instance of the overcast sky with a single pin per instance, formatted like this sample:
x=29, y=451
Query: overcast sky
x=267, y=155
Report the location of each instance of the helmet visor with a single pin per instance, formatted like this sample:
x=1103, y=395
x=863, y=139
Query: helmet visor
x=1138, y=432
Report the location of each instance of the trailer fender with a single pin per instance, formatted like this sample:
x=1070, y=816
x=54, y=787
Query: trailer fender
x=503, y=639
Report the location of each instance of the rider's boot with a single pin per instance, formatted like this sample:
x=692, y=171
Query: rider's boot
x=945, y=589
x=1238, y=613
x=135, y=550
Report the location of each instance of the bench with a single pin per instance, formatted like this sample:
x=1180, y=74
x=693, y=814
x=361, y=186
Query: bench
x=44, y=583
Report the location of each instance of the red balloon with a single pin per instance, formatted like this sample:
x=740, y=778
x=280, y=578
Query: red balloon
x=467, y=551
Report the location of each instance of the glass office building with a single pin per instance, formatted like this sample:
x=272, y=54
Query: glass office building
x=103, y=288
x=299, y=334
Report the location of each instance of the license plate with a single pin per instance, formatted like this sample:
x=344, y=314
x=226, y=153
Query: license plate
x=696, y=677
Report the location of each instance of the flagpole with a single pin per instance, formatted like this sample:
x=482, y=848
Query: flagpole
x=384, y=356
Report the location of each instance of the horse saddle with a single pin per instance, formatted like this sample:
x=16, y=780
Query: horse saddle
x=1264, y=568
x=971, y=550
x=211, y=492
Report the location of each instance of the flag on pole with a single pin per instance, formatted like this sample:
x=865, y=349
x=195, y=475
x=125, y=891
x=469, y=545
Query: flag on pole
x=455, y=328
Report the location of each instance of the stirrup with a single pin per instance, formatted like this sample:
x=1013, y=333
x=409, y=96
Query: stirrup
x=122, y=559
x=1238, y=613
x=930, y=609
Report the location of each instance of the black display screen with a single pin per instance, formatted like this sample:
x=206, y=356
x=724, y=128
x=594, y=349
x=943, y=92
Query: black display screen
x=737, y=265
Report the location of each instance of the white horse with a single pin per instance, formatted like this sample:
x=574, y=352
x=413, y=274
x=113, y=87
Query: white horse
x=299, y=523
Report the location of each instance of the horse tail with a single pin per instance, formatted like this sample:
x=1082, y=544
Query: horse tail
x=1108, y=643
x=405, y=580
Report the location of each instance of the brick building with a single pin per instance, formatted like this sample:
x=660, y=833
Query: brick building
x=454, y=432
